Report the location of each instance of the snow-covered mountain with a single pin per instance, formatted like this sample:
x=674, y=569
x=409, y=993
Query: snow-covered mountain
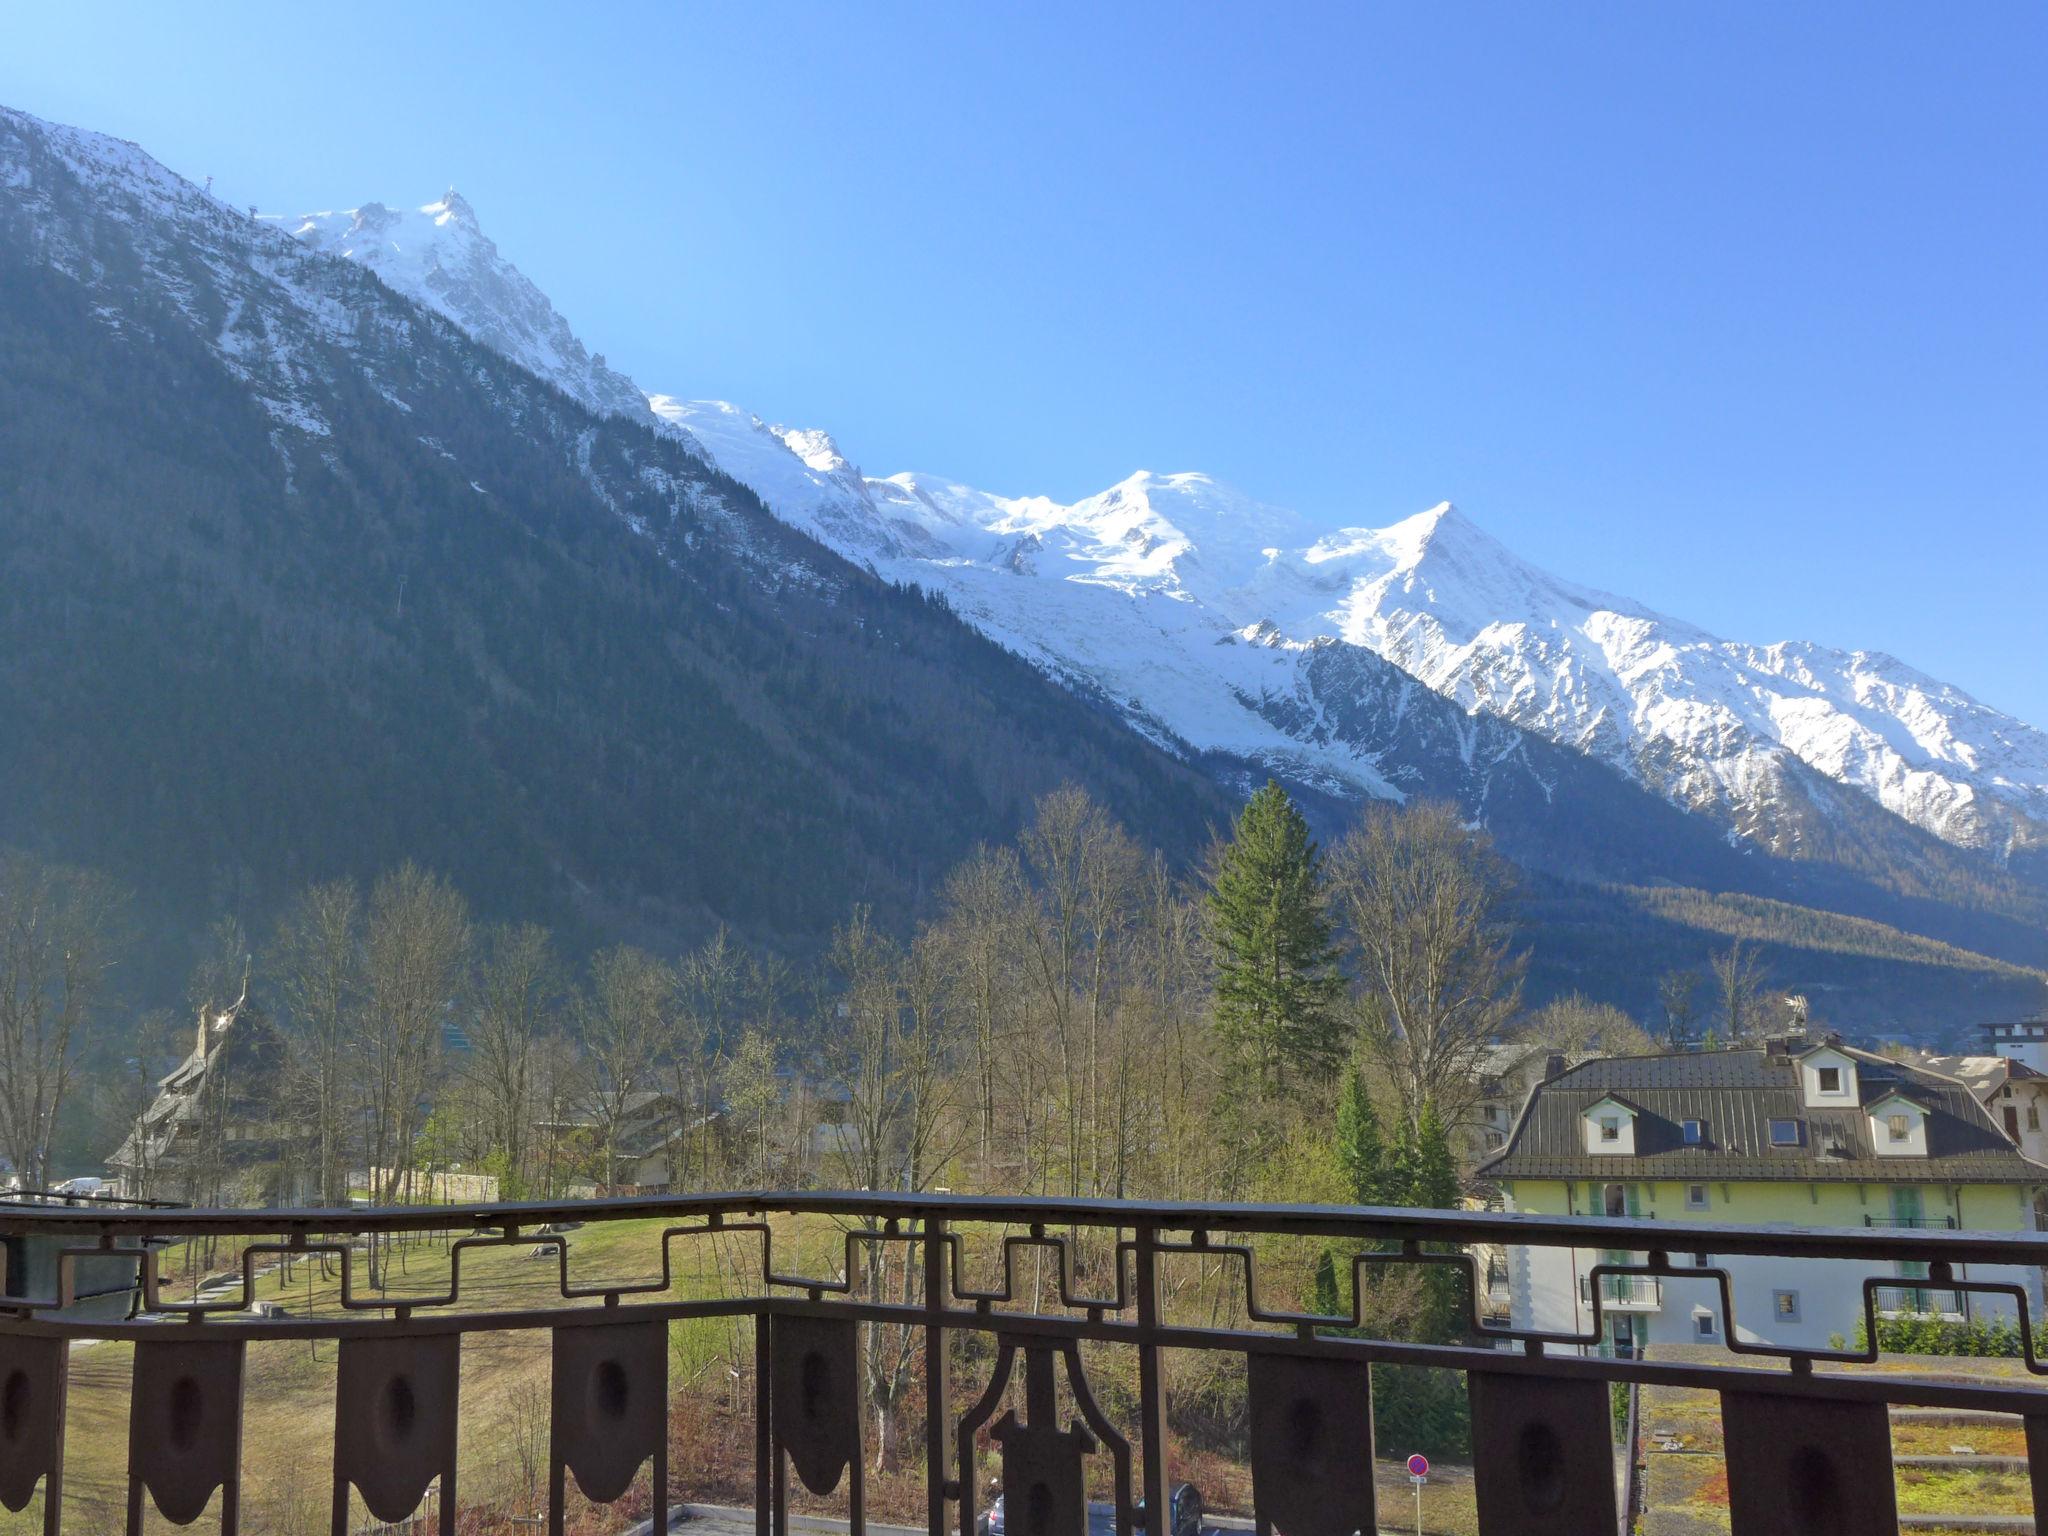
x=1219, y=623
x=437, y=255
x=302, y=581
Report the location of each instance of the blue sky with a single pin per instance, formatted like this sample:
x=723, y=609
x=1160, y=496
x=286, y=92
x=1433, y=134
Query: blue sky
x=1734, y=308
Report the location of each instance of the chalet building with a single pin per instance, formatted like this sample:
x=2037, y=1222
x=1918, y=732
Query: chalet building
x=2014, y=1094
x=2010, y=1080
x=651, y=1138
x=1788, y=1133
x=220, y=1130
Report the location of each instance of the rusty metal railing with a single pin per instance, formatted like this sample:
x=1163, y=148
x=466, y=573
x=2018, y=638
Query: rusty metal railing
x=1807, y=1438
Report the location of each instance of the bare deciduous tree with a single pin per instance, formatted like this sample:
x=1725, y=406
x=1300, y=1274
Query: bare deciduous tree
x=416, y=946
x=1576, y=1023
x=1084, y=868
x=55, y=953
x=1424, y=902
x=623, y=1022
x=1740, y=979
x=983, y=906
x=1678, y=999
x=516, y=1004
x=318, y=961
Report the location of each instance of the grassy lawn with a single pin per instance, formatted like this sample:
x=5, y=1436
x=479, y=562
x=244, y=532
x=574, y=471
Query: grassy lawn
x=1688, y=1490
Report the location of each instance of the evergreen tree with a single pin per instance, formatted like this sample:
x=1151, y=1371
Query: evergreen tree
x=1432, y=1183
x=1432, y=1173
x=1268, y=915
x=1362, y=1150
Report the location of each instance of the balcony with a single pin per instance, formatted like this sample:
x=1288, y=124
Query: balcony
x=1912, y=1223
x=1060, y=1322
x=1624, y=1293
x=1919, y=1301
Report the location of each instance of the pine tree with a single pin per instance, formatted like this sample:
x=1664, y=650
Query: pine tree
x=1268, y=915
x=1362, y=1149
x=1432, y=1172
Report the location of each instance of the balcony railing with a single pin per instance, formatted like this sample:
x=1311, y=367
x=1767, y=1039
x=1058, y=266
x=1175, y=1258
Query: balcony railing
x=1919, y=1301
x=1625, y=1293
x=1914, y=1223
x=1807, y=1449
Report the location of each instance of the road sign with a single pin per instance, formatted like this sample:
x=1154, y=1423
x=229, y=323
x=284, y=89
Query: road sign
x=1418, y=1466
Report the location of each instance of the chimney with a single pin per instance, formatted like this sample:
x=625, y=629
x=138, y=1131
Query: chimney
x=1553, y=1066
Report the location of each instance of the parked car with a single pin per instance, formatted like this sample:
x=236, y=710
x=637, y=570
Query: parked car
x=1185, y=1502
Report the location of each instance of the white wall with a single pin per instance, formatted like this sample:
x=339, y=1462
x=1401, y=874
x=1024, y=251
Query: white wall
x=1545, y=1294
x=1809, y=1079
x=1624, y=1145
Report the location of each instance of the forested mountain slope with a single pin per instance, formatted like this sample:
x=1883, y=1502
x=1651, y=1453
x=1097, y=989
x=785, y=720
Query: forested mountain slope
x=300, y=581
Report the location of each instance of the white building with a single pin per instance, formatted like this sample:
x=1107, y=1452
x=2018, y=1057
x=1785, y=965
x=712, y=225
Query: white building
x=1790, y=1134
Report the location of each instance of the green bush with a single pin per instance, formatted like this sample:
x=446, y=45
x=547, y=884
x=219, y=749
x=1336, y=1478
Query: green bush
x=1987, y=1338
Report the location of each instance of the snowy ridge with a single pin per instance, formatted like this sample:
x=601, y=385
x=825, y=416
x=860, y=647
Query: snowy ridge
x=437, y=256
x=1218, y=623
x=291, y=319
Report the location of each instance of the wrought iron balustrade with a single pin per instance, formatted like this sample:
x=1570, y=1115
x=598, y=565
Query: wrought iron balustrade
x=1906, y=1299
x=1633, y=1293
x=1807, y=1437
x=1939, y=1223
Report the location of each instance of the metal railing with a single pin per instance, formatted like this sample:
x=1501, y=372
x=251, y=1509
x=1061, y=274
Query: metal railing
x=1904, y=1299
x=1793, y=1420
x=1632, y=1293
x=1914, y=1223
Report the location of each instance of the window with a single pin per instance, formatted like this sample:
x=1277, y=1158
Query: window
x=1830, y=1079
x=1610, y=1127
x=1703, y=1324
x=1785, y=1304
x=2033, y=1117
x=1695, y=1197
x=1614, y=1200
x=1785, y=1133
x=1695, y=1132
x=1899, y=1127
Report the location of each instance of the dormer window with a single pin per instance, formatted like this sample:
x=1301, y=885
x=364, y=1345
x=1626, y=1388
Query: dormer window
x=1827, y=1076
x=1610, y=1127
x=1898, y=1126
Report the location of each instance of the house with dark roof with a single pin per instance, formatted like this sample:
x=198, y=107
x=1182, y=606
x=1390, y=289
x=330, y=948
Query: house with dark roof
x=2014, y=1093
x=1792, y=1132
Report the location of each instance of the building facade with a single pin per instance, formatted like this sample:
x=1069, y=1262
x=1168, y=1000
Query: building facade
x=2010, y=1081
x=222, y=1129
x=1793, y=1133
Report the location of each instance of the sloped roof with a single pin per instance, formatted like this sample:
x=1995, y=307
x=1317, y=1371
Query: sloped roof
x=1985, y=1075
x=1736, y=1094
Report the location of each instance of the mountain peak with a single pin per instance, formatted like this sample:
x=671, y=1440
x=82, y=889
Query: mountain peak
x=453, y=208
x=1433, y=531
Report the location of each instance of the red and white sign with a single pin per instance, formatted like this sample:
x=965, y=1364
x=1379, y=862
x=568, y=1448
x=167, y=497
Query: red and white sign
x=1418, y=1466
